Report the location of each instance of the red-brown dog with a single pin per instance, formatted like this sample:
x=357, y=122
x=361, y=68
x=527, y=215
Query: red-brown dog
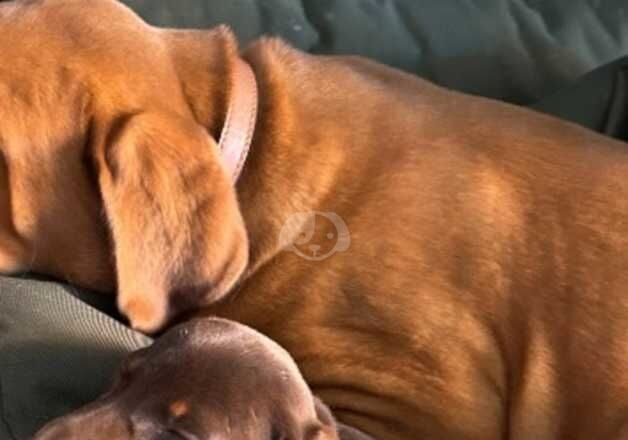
x=476, y=285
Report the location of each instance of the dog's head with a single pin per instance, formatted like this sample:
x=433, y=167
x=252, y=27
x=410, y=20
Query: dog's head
x=206, y=379
x=110, y=175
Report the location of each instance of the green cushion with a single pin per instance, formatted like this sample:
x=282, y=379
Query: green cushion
x=598, y=101
x=56, y=353
x=516, y=50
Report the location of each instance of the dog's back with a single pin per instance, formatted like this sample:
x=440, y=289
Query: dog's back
x=486, y=268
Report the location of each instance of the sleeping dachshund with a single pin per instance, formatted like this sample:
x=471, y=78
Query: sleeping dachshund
x=439, y=266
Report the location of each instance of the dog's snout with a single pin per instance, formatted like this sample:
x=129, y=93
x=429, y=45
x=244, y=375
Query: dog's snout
x=145, y=313
x=99, y=420
x=57, y=431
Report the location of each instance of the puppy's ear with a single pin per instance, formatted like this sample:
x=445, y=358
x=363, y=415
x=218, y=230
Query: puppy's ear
x=178, y=236
x=325, y=427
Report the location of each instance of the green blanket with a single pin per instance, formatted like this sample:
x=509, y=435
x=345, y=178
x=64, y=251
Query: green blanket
x=516, y=50
x=57, y=352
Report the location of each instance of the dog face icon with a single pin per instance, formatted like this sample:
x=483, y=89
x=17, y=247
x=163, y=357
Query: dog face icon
x=315, y=236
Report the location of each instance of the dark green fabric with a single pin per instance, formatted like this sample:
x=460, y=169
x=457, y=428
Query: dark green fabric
x=57, y=352
x=515, y=50
x=249, y=19
x=598, y=101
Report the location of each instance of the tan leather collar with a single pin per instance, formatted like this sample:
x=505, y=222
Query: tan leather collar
x=237, y=133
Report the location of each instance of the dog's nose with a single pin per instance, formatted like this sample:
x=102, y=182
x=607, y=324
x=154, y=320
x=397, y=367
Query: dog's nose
x=146, y=314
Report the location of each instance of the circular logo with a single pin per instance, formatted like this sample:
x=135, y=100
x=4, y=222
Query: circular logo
x=315, y=236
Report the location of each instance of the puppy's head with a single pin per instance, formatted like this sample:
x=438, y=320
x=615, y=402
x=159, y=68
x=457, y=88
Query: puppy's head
x=110, y=174
x=204, y=380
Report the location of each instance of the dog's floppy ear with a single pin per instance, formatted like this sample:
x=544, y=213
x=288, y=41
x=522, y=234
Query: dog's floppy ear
x=178, y=237
x=328, y=429
x=324, y=428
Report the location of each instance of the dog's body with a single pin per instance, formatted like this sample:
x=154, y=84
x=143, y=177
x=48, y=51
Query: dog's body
x=482, y=295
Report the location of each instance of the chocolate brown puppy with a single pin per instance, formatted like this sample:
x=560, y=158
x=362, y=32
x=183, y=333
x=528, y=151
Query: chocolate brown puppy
x=207, y=379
